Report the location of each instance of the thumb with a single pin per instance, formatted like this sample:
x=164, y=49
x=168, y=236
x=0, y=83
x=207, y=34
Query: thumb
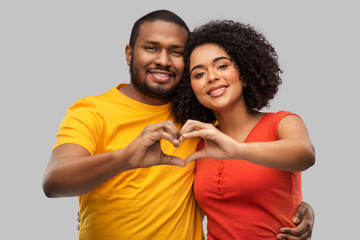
x=194, y=156
x=173, y=160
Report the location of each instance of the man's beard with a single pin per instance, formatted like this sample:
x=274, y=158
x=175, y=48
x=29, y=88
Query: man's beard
x=144, y=87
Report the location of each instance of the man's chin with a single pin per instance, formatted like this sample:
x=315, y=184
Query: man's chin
x=161, y=92
x=155, y=89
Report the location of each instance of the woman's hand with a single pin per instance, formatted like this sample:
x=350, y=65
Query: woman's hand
x=217, y=144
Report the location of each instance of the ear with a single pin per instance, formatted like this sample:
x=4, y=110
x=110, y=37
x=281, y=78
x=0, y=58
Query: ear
x=128, y=54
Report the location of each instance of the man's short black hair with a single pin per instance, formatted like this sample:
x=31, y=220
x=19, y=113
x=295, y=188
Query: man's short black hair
x=158, y=15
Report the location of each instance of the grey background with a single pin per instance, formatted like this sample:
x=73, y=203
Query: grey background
x=55, y=52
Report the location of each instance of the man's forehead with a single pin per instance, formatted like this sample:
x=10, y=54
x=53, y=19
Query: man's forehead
x=161, y=32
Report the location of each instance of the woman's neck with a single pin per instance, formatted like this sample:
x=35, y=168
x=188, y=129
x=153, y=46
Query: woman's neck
x=237, y=122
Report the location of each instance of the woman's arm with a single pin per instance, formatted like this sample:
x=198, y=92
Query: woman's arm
x=292, y=152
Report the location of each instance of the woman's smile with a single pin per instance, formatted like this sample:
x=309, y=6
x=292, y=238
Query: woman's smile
x=217, y=91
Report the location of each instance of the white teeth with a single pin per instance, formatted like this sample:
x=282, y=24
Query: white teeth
x=162, y=74
x=217, y=90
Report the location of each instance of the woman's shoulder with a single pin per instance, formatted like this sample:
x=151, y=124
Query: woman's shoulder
x=278, y=115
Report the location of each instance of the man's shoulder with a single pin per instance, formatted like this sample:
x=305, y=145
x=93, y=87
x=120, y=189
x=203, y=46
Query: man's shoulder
x=99, y=98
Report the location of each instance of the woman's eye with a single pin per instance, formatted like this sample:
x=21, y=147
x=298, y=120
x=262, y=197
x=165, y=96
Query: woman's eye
x=222, y=66
x=199, y=75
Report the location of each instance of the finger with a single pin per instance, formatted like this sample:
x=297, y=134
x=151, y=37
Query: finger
x=197, y=129
x=79, y=220
x=172, y=160
x=291, y=237
x=168, y=126
x=150, y=135
x=203, y=133
x=302, y=231
x=192, y=125
x=168, y=131
x=188, y=124
x=194, y=156
x=171, y=128
x=300, y=212
x=308, y=215
x=305, y=216
x=162, y=134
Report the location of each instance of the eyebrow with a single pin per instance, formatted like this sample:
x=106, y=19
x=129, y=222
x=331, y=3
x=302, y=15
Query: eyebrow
x=213, y=61
x=158, y=43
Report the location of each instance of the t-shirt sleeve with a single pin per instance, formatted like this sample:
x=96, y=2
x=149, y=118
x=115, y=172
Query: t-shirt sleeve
x=81, y=125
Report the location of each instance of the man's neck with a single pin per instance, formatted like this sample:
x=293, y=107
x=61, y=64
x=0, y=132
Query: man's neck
x=131, y=92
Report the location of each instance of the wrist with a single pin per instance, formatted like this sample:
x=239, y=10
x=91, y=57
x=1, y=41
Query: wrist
x=122, y=159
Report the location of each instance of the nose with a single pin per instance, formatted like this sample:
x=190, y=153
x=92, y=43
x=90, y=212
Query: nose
x=163, y=58
x=212, y=76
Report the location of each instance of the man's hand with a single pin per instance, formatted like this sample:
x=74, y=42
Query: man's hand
x=79, y=221
x=145, y=149
x=304, y=219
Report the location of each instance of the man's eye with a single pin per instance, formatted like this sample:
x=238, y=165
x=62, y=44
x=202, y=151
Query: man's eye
x=150, y=48
x=177, y=52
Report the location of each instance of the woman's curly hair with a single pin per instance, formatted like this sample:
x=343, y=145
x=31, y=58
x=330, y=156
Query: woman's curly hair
x=254, y=56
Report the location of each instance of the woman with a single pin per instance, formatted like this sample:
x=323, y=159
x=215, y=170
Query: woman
x=232, y=73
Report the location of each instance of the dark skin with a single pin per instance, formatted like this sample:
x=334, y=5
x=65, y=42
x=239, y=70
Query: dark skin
x=144, y=151
x=306, y=213
x=72, y=171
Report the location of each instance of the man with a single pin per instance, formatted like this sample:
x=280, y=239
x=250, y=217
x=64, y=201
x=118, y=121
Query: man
x=108, y=146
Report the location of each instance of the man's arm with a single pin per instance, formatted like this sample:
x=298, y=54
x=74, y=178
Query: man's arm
x=304, y=219
x=72, y=171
